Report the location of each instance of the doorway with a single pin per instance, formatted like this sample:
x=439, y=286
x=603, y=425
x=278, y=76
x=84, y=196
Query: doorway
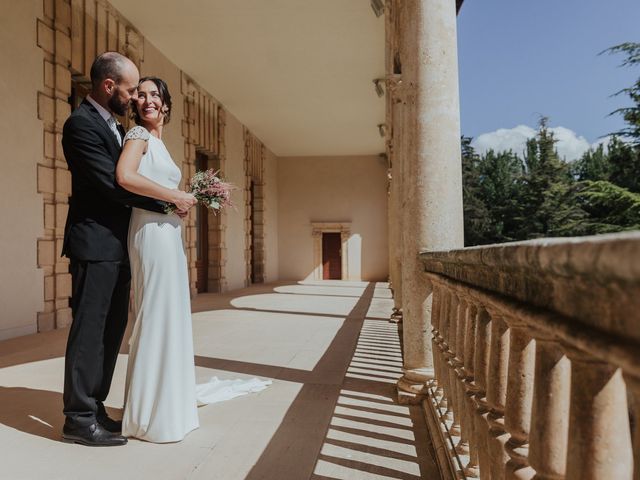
x=331, y=256
x=252, y=232
x=202, y=237
x=256, y=233
x=79, y=90
x=209, y=235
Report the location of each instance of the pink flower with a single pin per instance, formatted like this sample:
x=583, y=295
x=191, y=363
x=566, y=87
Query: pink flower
x=210, y=190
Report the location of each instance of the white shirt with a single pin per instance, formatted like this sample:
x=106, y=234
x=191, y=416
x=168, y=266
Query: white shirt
x=110, y=119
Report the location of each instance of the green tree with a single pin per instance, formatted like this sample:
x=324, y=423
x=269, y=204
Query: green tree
x=477, y=220
x=630, y=114
x=507, y=198
x=610, y=208
x=624, y=157
x=500, y=178
x=624, y=160
x=540, y=196
x=593, y=165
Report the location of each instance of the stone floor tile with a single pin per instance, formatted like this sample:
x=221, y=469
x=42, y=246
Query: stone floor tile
x=329, y=414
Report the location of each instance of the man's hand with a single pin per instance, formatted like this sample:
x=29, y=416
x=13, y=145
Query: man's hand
x=182, y=213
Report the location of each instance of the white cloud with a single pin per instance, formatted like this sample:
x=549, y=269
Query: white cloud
x=504, y=139
x=570, y=145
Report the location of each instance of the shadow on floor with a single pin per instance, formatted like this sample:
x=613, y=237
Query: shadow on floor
x=299, y=443
x=36, y=412
x=382, y=438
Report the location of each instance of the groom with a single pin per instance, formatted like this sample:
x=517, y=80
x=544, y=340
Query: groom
x=95, y=241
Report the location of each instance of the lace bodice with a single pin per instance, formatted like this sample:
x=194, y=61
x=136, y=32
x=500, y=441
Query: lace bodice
x=137, y=133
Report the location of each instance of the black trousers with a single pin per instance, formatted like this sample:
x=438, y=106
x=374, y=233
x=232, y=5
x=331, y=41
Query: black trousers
x=99, y=304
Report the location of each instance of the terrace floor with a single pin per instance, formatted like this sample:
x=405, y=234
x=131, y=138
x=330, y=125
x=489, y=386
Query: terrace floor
x=330, y=413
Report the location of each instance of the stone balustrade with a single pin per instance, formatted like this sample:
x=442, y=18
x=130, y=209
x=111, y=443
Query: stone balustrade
x=536, y=351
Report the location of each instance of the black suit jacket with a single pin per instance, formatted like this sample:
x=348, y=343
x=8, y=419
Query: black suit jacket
x=99, y=209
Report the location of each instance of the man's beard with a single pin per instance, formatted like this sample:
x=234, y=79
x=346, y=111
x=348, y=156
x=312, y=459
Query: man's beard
x=116, y=106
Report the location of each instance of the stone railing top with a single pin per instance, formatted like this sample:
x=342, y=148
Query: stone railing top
x=594, y=280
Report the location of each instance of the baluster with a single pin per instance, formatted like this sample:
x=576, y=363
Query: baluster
x=599, y=435
x=633, y=386
x=445, y=404
x=471, y=470
x=497, y=394
x=482, y=352
x=453, y=377
x=550, y=410
x=462, y=448
x=436, y=339
x=522, y=355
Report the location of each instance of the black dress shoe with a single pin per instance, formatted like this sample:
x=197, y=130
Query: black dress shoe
x=109, y=424
x=94, y=435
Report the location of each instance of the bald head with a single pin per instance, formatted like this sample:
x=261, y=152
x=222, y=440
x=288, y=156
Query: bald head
x=110, y=65
x=114, y=82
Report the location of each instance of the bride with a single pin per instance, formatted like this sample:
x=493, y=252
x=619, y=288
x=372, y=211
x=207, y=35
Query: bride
x=161, y=395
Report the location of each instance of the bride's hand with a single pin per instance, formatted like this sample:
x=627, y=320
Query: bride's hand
x=183, y=200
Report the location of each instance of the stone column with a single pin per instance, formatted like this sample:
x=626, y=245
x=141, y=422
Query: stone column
x=432, y=176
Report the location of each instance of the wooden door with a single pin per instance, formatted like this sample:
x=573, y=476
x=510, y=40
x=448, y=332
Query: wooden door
x=331, y=256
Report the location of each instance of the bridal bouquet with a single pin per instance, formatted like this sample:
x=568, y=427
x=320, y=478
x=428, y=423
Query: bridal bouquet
x=209, y=189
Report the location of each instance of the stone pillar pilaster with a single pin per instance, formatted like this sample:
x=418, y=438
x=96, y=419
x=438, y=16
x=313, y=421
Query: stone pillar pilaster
x=432, y=176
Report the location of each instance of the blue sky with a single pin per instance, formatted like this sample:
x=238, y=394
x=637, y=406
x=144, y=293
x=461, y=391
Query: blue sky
x=522, y=59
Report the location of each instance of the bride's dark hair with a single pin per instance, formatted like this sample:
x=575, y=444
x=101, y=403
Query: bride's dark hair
x=165, y=96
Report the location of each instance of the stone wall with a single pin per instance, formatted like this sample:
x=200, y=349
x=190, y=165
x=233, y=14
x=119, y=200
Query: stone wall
x=48, y=47
x=333, y=190
x=28, y=175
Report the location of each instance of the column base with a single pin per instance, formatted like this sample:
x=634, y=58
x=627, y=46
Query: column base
x=412, y=386
x=396, y=316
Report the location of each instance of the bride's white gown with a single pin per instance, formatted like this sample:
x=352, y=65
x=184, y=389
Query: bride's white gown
x=161, y=396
